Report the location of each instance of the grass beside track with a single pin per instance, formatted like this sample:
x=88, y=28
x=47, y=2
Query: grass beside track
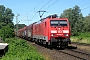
x=82, y=38
x=21, y=50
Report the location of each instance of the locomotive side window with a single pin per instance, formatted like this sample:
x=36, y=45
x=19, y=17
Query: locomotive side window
x=58, y=22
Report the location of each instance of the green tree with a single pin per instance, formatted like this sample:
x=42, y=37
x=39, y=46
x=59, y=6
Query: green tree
x=6, y=15
x=20, y=26
x=6, y=24
x=7, y=32
x=86, y=23
x=76, y=19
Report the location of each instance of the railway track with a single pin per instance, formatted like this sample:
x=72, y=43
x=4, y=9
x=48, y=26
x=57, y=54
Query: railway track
x=66, y=54
x=77, y=54
x=82, y=44
x=74, y=53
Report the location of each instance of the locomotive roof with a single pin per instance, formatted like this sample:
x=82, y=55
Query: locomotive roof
x=49, y=17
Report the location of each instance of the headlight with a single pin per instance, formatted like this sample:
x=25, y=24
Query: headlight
x=52, y=34
x=66, y=34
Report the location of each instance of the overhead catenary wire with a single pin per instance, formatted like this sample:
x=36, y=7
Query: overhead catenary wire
x=34, y=15
x=31, y=11
x=41, y=8
x=57, y=1
x=51, y=4
x=47, y=7
x=85, y=8
x=85, y=5
x=36, y=6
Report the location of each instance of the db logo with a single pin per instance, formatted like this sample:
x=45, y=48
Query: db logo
x=59, y=31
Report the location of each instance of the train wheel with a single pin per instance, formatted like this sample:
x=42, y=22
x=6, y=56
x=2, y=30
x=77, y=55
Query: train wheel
x=51, y=45
x=46, y=45
x=64, y=45
x=36, y=41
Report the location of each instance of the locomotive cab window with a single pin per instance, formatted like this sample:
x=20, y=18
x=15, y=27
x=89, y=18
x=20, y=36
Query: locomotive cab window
x=58, y=23
x=54, y=22
x=63, y=22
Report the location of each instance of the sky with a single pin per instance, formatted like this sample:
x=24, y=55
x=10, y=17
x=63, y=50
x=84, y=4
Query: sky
x=27, y=10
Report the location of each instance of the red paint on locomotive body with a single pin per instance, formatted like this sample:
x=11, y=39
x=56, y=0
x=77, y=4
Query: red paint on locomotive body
x=61, y=30
x=52, y=28
x=50, y=31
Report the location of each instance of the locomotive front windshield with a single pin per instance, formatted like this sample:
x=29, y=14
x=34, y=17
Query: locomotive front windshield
x=58, y=23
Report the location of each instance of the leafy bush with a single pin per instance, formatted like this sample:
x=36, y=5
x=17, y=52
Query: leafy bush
x=6, y=32
x=82, y=38
x=21, y=50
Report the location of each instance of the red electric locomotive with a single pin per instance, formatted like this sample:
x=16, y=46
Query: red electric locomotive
x=52, y=31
